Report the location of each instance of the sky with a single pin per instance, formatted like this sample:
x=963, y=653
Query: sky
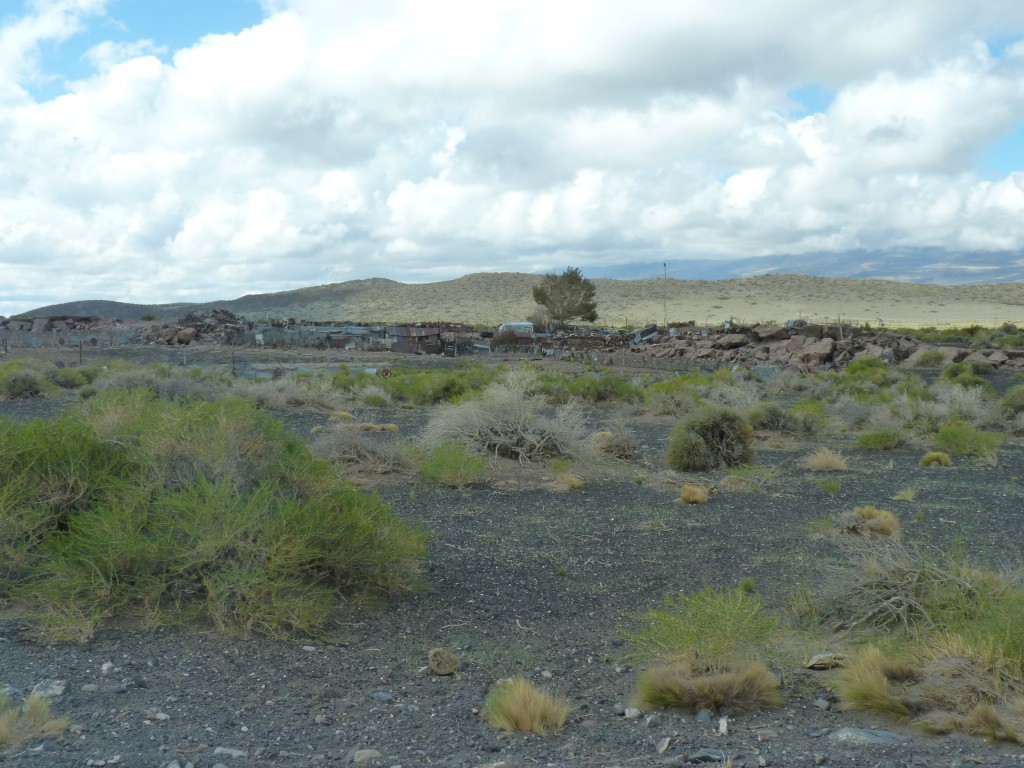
x=155, y=151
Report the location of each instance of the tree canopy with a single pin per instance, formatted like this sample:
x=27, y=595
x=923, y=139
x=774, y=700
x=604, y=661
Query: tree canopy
x=567, y=296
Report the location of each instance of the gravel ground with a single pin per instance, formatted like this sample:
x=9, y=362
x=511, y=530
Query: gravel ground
x=520, y=581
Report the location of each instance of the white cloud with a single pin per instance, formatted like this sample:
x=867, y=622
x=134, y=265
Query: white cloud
x=418, y=140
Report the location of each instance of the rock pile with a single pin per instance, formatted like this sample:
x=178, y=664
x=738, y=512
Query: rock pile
x=219, y=326
x=802, y=346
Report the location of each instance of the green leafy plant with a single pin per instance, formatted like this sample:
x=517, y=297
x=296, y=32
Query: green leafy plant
x=830, y=485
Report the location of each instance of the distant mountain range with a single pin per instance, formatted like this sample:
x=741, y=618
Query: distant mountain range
x=914, y=265
x=919, y=286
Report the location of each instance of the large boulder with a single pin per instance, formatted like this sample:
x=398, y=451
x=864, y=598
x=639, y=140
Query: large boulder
x=818, y=352
x=732, y=341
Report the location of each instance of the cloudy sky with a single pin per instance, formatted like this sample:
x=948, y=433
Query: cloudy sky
x=168, y=150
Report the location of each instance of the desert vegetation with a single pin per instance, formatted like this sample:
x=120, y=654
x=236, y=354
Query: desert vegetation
x=166, y=496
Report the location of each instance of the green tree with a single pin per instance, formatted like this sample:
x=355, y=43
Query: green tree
x=567, y=296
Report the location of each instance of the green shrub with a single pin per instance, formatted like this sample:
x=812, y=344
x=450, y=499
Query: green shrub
x=676, y=395
x=1012, y=401
x=21, y=382
x=931, y=358
x=708, y=438
x=560, y=388
x=453, y=464
x=712, y=629
x=68, y=378
x=139, y=506
x=969, y=375
x=880, y=440
x=768, y=416
x=810, y=415
x=963, y=439
x=429, y=387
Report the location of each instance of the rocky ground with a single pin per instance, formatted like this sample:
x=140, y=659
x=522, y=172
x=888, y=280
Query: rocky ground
x=520, y=581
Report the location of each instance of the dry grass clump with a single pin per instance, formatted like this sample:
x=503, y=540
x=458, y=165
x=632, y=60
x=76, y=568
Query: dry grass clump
x=866, y=684
x=952, y=688
x=936, y=459
x=18, y=724
x=350, y=449
x=693, y=494
x=569, y=481
x=825, y=460
x=618, y=440
x=746, y=687
x=518, y=705
x=869, y=522
x=511, y=421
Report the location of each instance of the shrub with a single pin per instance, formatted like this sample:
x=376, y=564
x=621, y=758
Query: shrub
x=936, y=459
x=22, y=385
x=712, y=629
x=518, y=705
x=880, y=440
x=569, y=481
x=769, y=416
x=674, y=396
x=509, y=421
x=708, y=438
x=962, y=439
x=970, y=375
x=693, y=494
x=452, y=464
x=1012, y=401
x=745, y=687
x=618, y=440
x=931, y=358
x=429, y=387
x=560, y=388
x=825, y=460
x=68, y=378
x=352, y=450
x=135, y=505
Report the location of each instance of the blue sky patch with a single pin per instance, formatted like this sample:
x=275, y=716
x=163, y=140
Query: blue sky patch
x=170, y=24
x=810, y=100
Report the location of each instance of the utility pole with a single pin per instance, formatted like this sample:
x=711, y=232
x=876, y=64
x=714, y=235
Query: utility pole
x=664, y=292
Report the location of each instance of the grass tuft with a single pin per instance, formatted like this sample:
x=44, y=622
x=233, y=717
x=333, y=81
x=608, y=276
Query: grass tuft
x=454, y=465
x=825, y=460
x=936, y=459
x=865, y=684
x=19, y=724
x=748, y=687
x=518, y=705
x=693, y=494
x=869, y=522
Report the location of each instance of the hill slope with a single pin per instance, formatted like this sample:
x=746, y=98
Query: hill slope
x=491, y=298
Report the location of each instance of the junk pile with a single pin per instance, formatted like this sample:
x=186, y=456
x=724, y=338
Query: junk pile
x=218, y=326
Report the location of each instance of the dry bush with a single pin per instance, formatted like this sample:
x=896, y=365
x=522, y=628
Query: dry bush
x=518, y=705
x=693, y=494
x=285, y=393
x=511, y=421
x=869, y=522
x=968, y=404
x=350, y=449
x=742, y=395
x=825, y=460
x=618, y=439
x=744, y=687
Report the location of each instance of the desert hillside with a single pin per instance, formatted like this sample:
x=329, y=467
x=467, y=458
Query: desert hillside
x=491, y=298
